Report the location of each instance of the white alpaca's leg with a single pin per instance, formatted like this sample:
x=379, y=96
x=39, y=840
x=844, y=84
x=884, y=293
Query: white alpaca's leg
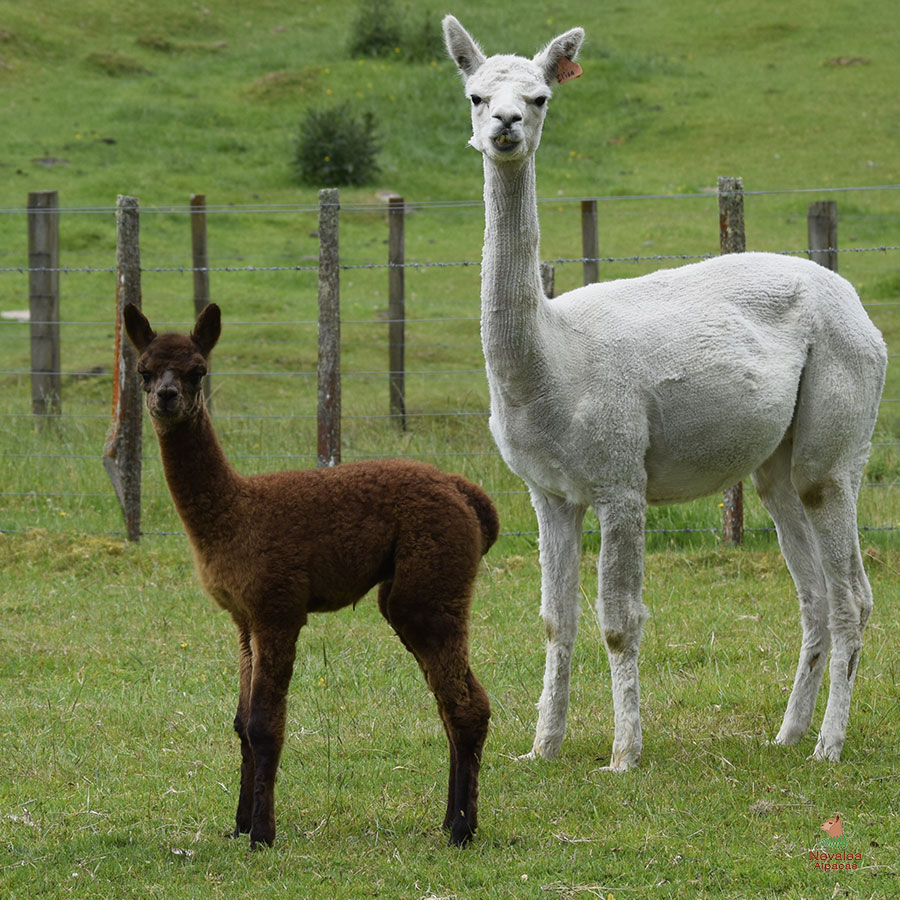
x=559, y=526
x=831, y=445
x=801, y=552
x=832, y=510
x=622, y=614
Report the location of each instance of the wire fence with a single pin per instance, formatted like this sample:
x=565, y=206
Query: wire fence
x=264, y=392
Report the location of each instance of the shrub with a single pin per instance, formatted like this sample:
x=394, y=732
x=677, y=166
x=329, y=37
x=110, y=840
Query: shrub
x=380, y=29
x=335, y=147
x=376, y=30
x=422, y=37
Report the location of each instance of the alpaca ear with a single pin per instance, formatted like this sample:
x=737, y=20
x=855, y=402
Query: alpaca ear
x=564, y=47
x=137, y=327
x=208, y=328
x=462, y=48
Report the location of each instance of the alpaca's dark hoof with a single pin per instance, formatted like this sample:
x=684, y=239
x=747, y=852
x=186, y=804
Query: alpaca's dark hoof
x=259, y=840
x=461, y=835
x=237, y=832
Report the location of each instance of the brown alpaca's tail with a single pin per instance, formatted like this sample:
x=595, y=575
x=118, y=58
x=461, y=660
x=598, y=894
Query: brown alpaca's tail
x=484, y=509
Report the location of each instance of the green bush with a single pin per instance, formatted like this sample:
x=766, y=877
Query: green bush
x=380, y=29
x=377, y=29
x=336, y=147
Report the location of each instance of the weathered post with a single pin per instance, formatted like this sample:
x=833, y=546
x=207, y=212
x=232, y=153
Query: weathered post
x=43, y=289
x=329, y=363
x=396, y=310
x=732, y=239
x=200, y=266
x=122, y=453
x=590, y=241
x=821, y=224
x=548, y=280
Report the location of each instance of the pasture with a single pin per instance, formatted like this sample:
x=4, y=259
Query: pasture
x=120, y=768
x=118, y=678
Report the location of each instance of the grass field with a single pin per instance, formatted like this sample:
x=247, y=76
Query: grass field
x=119, y=772
x=118, y=676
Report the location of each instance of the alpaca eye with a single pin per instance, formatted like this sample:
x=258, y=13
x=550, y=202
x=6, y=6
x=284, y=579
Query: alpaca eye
x=540, y=101
x=476, y=100
x=145, y=375
x=196, y=377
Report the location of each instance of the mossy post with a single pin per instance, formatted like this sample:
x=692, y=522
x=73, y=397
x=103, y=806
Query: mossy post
x=200, y=258
x=821, y=225
x=43, y=304
x=396, y=310
x=122, y=453
x=328, y=371
x=732, y=239
x=590, y=241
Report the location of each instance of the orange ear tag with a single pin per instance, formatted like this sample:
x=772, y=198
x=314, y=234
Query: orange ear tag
x=566, y=70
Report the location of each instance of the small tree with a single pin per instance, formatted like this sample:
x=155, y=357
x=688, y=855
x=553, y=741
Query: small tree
x=335, y=147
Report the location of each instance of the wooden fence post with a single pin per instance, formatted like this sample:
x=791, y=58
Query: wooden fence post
x=548, y=279
x=821, y=223
x=329, y=363
x=122, y=453
x=590, y=241
x=396, y=309
x=200, y=266
x=43, y=289
x=732, y=239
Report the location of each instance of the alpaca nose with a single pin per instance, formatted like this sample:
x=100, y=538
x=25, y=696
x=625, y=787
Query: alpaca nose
x=166, y=393
x=507, y=117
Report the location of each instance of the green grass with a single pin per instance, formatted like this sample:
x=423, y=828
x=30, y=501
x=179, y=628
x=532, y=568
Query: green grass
x=168, y=100
x=119, y=772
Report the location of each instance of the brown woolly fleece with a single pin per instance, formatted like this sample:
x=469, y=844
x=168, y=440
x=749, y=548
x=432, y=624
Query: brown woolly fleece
x=270, y=549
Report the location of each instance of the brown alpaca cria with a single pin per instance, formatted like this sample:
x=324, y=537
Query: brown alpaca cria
x=271, y=549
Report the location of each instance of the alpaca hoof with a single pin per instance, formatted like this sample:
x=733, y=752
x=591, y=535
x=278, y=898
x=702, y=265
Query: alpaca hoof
x=544, y=748
x=622, y=762
x=260, y=842
x=461, y=835
x=617, y=767
x=788, y=736
x=826, y=753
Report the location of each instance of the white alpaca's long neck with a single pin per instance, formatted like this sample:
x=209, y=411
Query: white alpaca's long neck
x=511, y=290
x=201, y=480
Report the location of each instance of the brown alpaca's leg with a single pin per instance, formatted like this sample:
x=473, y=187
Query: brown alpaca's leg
x=248, y=768
x=451, y=786
x=437, y=635
x=273, y=662
x=469, y=724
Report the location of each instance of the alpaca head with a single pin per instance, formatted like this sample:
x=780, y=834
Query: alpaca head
x=172, y=366
x=508, y=94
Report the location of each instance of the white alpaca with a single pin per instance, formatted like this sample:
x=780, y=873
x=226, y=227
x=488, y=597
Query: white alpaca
x=659, y=390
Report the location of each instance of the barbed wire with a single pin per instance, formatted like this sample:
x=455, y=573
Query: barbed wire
x=561, y=260
x=473, y=203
